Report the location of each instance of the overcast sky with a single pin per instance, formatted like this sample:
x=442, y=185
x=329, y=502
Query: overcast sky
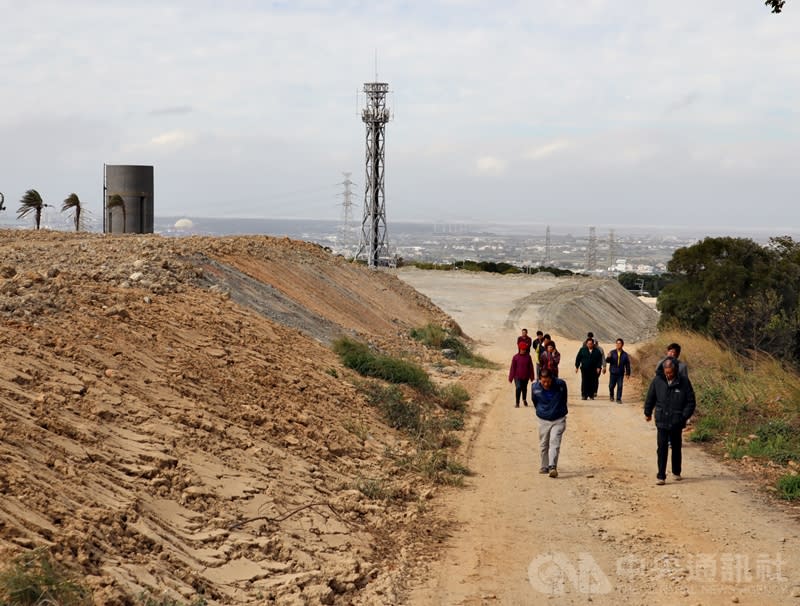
x=596, y=112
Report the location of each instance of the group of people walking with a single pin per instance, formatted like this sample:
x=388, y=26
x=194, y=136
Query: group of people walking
x=537, y=361
x=670, y=394
x=591, y=361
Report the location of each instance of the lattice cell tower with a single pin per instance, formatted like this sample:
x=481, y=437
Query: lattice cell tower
x=591, y=250
x=374, y=244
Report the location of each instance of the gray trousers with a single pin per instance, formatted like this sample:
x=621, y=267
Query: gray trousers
x=550, y=433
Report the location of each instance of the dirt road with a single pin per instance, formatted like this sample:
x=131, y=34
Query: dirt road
x=603, y=531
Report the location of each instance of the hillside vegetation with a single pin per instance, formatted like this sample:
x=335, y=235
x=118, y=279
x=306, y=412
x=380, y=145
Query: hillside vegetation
x=748, y=408
x=739, y=292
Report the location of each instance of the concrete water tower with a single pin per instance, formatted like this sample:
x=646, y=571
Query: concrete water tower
x=134, y=184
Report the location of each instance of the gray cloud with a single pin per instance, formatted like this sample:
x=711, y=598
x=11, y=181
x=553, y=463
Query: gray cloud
x=600, y=111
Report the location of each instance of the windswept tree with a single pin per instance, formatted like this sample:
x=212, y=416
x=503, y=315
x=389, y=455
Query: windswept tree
x=73, y=203
x=31, y=202
x=775, y=5
x=738, y=291
x=116, y=201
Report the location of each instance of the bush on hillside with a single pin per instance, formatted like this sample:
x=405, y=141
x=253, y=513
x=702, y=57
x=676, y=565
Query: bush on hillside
x=432, y=335
x=789, y=487
x=743, y=408
x=364, y=361
x=34, y=578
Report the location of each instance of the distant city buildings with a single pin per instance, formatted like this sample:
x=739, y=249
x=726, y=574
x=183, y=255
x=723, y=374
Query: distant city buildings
x=444, y=243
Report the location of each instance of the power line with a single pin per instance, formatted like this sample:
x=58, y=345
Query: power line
x=346, y=231
x=591, y=250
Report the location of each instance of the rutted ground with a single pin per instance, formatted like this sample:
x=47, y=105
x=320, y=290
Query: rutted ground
x=602, y=532
x=173, y=420
x=154, y=392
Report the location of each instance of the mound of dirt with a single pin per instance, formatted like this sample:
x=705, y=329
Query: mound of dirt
x=172, y=421
x=574, y=306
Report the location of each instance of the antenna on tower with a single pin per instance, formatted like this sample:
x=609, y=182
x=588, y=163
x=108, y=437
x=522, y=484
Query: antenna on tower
x=374, y=241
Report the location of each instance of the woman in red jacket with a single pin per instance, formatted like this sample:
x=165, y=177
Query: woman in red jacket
x=521, y=372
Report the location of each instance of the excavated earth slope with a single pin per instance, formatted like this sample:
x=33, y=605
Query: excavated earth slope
x=156, y=392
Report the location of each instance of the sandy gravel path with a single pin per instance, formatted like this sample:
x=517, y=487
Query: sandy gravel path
x=602, y=532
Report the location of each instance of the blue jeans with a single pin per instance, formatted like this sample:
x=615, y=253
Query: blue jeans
x=615, y=381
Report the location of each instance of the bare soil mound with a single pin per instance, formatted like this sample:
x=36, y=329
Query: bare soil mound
x=575, y=306
x=172, y=422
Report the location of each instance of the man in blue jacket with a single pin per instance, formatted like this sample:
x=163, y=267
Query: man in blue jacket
x=619, y=367
x=550, y=399
x=672, y=396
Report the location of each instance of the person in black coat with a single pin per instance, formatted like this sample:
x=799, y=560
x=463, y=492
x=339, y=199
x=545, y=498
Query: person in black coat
x=671, y=396
x=590, y=362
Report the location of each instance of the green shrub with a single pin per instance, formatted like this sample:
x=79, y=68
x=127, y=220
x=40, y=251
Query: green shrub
x=376, y=489
x=789, y=487
x=457, y=345
x=453, y=422
x=430, y=335
x=360, y=358
x=776, y=440
x=398, y=412
x=775, y=428
x=477, y=361
x=402, y=414
x=454, y=397
x=34, y=578
x=706, y=429
x=440, y=467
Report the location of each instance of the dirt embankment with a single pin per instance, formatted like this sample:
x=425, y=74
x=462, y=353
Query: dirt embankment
x=576, y=305
x=154, y=392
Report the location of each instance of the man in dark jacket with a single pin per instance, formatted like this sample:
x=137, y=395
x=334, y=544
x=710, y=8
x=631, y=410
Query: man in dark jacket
x=590, y=362
x=619, y=367
x=523, y=338
x=549, y=396
x=672, y=397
